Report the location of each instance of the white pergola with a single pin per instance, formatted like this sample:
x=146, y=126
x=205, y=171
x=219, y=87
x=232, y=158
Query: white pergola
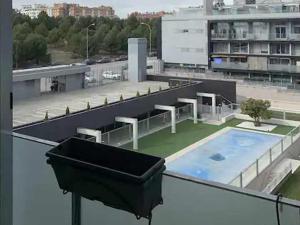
x=194, y=102
x=171, y=109
x=95, y=133
x=213, y=98
x=135, y=131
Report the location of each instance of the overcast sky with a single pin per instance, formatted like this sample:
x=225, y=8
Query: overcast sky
x=123, y=7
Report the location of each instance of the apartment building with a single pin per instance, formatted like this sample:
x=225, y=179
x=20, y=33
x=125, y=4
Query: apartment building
x=34, y=10
x=64, y=9
x=61, y=9
x=148, y=15
x=260, y=42
x=185, y=38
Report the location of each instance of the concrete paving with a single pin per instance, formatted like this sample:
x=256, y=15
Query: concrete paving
x=34, y=109
x=280, y=97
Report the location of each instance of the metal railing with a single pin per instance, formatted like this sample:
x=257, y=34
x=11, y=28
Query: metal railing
x=247, y=66
x=123, y=135
x=262, y=9
x=247, y=175
x=285, y=114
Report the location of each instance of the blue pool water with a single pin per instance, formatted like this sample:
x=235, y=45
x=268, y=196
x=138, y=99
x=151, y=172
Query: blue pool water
x=224, y=157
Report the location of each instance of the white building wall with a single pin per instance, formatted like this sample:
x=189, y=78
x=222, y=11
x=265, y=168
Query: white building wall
x=185, y=39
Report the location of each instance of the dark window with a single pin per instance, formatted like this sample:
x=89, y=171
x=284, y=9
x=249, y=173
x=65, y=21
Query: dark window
x=250, y=2
x=297, y=30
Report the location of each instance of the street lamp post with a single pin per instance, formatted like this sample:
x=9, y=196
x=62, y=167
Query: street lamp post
x=150, y=37
x=87, y=40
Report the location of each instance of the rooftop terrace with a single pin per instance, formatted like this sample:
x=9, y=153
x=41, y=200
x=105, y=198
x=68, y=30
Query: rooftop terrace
x=34, y=109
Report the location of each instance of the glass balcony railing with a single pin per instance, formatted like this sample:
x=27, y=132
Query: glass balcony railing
x=38, y=199
x=262, y=36
x=261, y=9
x=246, y=66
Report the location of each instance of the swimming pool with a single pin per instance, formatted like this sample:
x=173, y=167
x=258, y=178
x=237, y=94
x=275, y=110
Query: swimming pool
x=224, y=157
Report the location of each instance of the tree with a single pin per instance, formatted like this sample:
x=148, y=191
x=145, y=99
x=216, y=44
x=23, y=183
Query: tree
x=77, y=44
x=53, y=36
x=132, y=22
x=123, y=39
x=105, y=101
x=46, y=116
x=41, y=29
x=35, y=47
x=21, y=31
x=256, y=109
x=100, y=34
x=110, y=42
x=67, y=110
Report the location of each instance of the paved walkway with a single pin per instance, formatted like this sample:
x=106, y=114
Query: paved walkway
x=279, y=98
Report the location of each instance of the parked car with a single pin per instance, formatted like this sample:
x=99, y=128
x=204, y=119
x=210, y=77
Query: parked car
x=104, y=60
x=111, y=75
x=122, y=58
x=89, y=62
x=90, y=79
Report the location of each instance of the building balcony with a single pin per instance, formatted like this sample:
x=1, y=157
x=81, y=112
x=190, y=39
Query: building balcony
x=232, y=36
x=261, y=9
x=257, y=36
x=231, y=66
x=37, y=198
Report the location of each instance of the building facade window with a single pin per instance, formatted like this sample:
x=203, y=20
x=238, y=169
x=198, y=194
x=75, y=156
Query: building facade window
x=297, y=29
x=279, y=61
x=280, y=49
x=239, y=48
x=280, y=32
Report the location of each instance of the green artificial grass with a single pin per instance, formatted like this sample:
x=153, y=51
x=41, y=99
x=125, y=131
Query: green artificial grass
x=291, y=188
x=164, y=144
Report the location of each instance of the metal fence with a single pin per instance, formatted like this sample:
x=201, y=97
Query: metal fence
x=285, y=114
x=245, y=177
x=123, y=135
x=101, y=74
x=206, y=111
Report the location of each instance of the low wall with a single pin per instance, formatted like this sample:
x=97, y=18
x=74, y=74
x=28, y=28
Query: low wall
x=64, y=127
x=272, y=120
x=225, y=88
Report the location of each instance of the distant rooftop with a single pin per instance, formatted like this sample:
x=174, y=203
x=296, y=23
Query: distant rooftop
x=235, y=12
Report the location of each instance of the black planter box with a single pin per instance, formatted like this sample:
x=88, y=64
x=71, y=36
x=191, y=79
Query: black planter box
x=119, y=178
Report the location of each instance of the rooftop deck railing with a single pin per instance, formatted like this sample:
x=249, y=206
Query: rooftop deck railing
x=38, y=199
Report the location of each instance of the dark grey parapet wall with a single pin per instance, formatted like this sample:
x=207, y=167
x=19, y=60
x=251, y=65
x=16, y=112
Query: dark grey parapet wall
x=65, y=127
x=221, y=87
